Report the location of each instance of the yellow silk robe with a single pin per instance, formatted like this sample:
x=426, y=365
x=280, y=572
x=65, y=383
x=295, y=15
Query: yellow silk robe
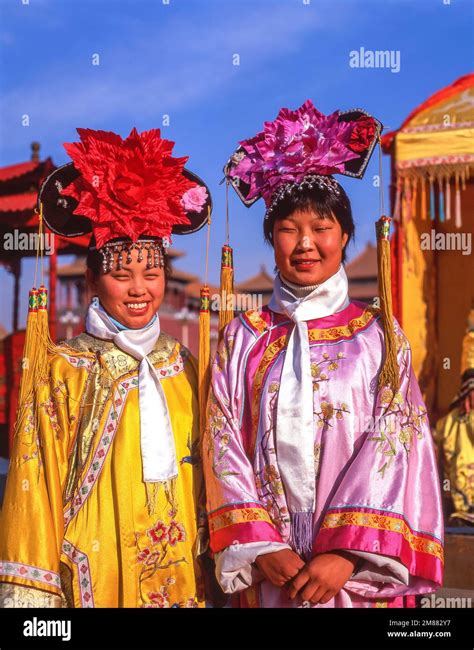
x=455, y=437
x=79, y=527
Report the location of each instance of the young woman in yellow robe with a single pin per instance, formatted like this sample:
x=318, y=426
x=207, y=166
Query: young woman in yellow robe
x=101, y=509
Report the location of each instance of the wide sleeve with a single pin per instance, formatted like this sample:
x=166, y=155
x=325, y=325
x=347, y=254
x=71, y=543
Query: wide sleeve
x=235, y=512
x=388, y=504
x=31, y=520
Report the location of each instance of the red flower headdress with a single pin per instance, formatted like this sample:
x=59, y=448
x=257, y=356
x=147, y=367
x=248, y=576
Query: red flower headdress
x=128, y=187
x=123, y=188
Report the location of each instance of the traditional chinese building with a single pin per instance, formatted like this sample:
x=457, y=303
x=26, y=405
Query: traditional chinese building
x=19, y=185
x=432, y=192
x=254, y=292
x=362, y=275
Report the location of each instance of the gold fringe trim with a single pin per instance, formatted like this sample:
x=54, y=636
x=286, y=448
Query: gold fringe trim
x=153, y=491
x=31, y=343
x=38, y=343
x=448, y=172
x=423, y=199
x=457, y=202
x=447, y=195
x=458, y=174
x=413, y=196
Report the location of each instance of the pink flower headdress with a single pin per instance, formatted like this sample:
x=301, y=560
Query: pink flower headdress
x=302, y=147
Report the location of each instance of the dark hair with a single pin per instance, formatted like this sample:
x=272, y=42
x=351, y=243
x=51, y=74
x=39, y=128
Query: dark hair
x=325, y=203
x=94, y=262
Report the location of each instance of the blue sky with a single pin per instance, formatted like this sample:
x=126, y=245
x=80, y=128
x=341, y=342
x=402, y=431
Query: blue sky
x=176, y=58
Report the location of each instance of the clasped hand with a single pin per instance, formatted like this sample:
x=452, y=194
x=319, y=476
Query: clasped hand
x=317, y=581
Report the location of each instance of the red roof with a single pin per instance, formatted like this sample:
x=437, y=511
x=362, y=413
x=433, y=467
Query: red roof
x=193, y=289
x=13, y=171
x=260, y=283
x=363, y=290
x=183, y=276
x=456, y=87
x=18, y=202
x=72, y=245
x=364, y=266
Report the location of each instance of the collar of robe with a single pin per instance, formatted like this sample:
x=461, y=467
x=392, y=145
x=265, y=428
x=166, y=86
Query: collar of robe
x=295, y=290
x=158, y=450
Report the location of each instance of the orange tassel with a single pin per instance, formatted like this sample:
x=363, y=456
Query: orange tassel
x=204, y=360
x=36, y=349
x=448, y=199
x=390, y=372
x=27, y=383
x=38, y=343
x=457, y=204
x=226, y=291
x=413, y=197
x=423, y=199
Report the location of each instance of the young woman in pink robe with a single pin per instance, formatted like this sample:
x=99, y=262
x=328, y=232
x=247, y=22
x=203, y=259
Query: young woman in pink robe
x=322, y=487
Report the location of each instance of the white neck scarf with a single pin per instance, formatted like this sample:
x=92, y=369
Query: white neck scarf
x=294, y=424
x=156, y=435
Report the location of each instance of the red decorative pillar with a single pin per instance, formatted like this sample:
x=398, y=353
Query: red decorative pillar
x=16, y=270
x=52, y=292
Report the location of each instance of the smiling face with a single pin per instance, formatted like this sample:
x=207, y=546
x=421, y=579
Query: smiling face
x=308, y=248
x=131, y=295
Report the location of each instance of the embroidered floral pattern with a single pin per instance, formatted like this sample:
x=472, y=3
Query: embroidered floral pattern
x=162, y=599
x=79, y=361
x=28, y=572
x=272, y=478
x=22, y=597
x=35, y=445
x=176, y=533
x=326, y=412
x=329, y=411
x=345, y=331
x=400, y=422
x=158, y=533
x=81, y=561
x=267, y=478
x=238, y=515
x=256, y=321
x=159, y=598
x=173, y=369
x=223, y=352
x=320, y=369
x=154, y=557
x=108, y=434
x=50, y=408
x=218, y=440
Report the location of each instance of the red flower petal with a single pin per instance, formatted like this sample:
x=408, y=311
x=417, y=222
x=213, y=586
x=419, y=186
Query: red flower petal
x=128, y=187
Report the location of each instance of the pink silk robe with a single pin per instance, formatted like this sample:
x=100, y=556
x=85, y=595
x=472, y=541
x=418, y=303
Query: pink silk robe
x=377, y=487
